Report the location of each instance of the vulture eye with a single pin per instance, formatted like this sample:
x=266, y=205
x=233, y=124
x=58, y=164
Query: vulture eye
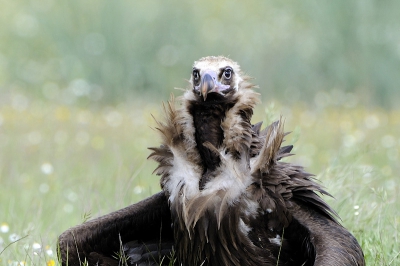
x=228, y=73
x=196, y=75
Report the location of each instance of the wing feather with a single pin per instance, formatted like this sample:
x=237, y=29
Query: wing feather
x=98, y=239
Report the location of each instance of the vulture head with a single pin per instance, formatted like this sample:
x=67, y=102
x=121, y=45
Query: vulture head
x=227, y=197
x=215, y=75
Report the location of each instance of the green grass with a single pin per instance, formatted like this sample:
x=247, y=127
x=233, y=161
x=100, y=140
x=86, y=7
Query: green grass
x=295, y=49
x=60, y=165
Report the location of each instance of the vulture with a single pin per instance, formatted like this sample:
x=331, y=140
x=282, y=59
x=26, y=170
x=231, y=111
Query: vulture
x=227, y=197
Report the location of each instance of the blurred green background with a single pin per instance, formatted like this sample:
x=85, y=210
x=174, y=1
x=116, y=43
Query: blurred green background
x=109, y=51
x=79, y=81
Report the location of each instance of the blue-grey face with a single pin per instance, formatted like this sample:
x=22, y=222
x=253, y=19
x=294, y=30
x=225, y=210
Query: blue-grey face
x=215, y=75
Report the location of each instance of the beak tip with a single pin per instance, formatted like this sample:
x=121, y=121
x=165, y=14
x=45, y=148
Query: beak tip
x=207, y=85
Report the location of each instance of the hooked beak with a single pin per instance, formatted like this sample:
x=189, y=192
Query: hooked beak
x=207, y=84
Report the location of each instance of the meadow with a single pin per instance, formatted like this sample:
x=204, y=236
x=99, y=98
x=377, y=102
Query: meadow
x=63, y=164
x=79, y=81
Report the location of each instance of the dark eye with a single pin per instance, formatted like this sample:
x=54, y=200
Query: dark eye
x=228, y=73
x=196, y=75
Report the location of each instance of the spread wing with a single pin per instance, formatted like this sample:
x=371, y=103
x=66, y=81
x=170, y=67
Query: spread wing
x=272, y=206
x=291, y=196
x=321, y=241
x=139, y=233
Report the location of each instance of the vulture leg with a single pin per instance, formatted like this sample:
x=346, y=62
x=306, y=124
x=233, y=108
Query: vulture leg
x=322, y=240
x=142, y=231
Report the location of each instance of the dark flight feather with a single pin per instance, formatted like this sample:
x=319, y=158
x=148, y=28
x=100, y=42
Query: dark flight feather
x=227, y=199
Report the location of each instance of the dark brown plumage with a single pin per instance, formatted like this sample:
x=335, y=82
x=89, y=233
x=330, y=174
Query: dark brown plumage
x=227, y=197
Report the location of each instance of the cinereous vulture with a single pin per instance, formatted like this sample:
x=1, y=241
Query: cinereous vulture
x=227, y=198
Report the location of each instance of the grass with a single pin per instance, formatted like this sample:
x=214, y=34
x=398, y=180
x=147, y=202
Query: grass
x=107, y=49
x=61, y=165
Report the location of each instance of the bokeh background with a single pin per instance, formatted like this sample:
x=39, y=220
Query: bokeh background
x=110, y=51
x=79, y=81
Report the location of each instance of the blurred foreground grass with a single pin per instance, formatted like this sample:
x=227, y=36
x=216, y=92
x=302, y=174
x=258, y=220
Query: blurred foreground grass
x=60, y=165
